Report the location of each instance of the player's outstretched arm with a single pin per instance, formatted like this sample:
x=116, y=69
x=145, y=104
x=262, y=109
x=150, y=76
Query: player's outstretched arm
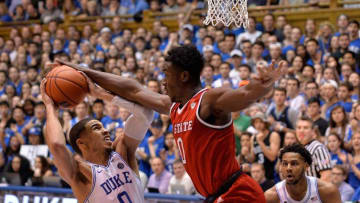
x=55, y=140
x=226, y=100
x=127, y=88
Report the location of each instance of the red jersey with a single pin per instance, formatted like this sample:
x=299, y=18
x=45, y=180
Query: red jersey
x=207, y=151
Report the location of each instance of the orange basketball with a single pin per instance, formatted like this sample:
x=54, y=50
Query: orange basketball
x=66, y=86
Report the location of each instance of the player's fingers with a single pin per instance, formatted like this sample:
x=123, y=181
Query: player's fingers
x=88, y=80
x=67, y=64
x=282, y=67
x=260, y=70
x=272, y=65
x=51, y=65
x=87, y=77
x=42, y=85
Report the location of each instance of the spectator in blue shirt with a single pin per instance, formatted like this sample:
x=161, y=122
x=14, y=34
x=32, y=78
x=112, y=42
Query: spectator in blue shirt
x=349, y=57
x=315, y=55
x=112, y=120
x=4, y=16
x=342, y=23
x=338, y=155
x=344, y=95
x=353, y=29
x=225, y=79
x=81, y=112
x=133, y=7
x=331, y=100
x=354, y=160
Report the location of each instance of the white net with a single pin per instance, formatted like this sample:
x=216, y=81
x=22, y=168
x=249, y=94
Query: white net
x=227, y=12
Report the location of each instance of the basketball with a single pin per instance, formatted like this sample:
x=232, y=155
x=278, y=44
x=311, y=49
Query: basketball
x=66, y=86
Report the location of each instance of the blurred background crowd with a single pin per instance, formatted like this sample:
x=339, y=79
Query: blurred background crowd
x=322, y=83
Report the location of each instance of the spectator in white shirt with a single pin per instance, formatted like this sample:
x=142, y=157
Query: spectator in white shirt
x=251, y=33
x=235, y=60
x=296, y=101
x=225, y=79
x=180, y=182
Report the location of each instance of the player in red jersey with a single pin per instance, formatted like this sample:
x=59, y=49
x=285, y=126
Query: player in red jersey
x=201, y=120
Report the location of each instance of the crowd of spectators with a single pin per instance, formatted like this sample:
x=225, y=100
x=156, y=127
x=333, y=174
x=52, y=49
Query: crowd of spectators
x=316, y=104
x=47, y=10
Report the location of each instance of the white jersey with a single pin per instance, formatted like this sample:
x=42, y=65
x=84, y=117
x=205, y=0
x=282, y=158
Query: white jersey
x=311, y=196
x=116, y=182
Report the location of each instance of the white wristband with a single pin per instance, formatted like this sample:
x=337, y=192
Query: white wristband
x=139, y=122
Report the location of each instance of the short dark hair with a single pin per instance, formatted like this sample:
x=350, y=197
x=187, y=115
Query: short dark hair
x=296, y=80
x=344, y=34
x=350, y=52
x=354, y=22
x=75, y=132
x=18, y=107
x=99, y=101
x=246, y=134
x=314, y=100
x=312, y=40
x=244, y=65
x=156, y=37
x=306, y=118
x=210, y=37
x=297, y=148
x=187, y=58
x=281, y=89
x=260, y=43
x=6, y=103
x=209, y=65
x=40, y=103
x=230, y=35
x=348, y=85
x=310, y=66
x=271, y=15
x=311, y=82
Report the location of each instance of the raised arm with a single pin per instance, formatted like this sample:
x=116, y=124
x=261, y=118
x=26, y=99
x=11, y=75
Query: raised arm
x=127, y=88
x=55, y=140
x=226, y=100
x=136, y=125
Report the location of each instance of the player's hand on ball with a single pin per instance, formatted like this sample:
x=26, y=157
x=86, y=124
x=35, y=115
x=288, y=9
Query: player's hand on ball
x=45, y=98
x=94, y=90
x=72, y=65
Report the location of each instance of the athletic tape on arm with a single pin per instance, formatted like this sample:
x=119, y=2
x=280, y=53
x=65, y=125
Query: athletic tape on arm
x=139, y=122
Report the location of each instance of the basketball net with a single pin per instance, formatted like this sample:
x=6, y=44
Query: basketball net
x=227, y=12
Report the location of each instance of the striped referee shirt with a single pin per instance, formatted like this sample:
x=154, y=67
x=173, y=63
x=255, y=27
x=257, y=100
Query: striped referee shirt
x=321, y=159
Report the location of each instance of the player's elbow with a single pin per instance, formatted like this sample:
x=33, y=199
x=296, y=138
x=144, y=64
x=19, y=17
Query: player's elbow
x=272, y=157
x=56, y=147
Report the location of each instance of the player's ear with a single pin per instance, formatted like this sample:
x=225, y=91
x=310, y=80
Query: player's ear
x=306, y=166
x=81, y=144
x=184, y=76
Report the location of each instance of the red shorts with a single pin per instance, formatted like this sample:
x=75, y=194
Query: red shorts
x=245, y=189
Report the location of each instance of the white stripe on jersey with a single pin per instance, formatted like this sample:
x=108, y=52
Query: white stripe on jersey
x=115, y=182
x=320, y=156
x=311, y=196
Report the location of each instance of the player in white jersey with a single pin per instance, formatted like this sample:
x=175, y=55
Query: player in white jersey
x=102, y=171
x=296, y=186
